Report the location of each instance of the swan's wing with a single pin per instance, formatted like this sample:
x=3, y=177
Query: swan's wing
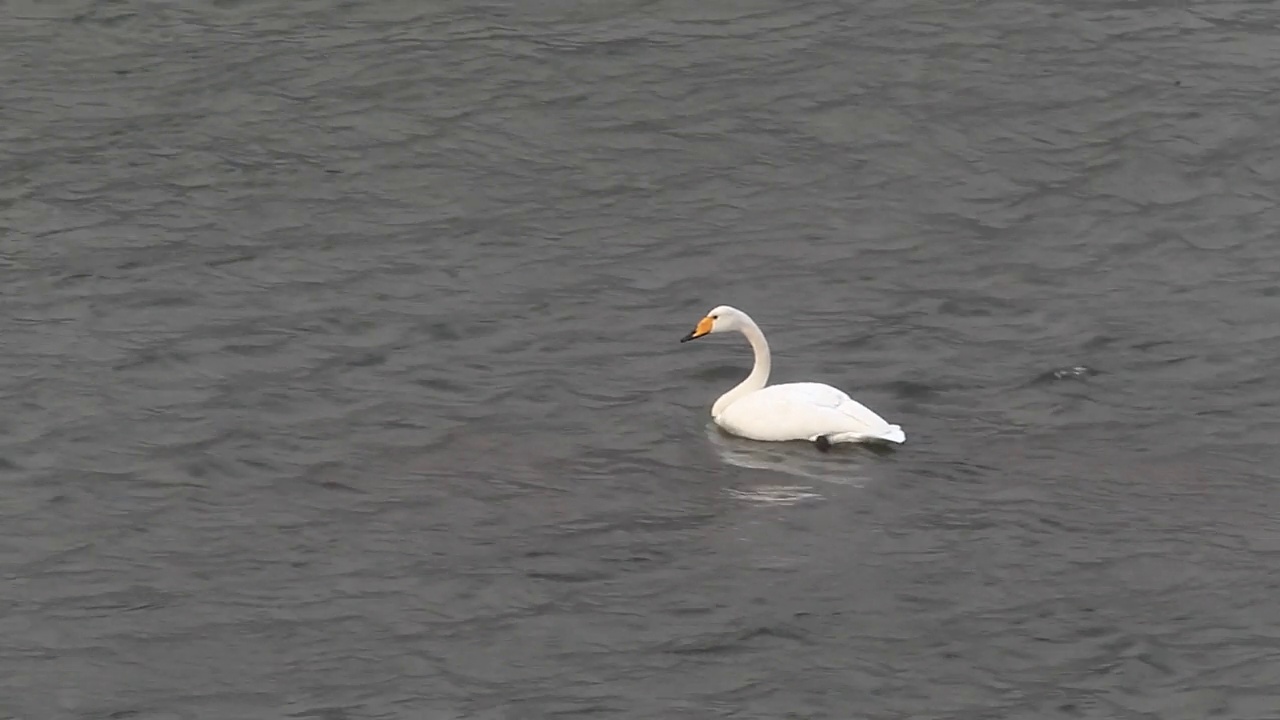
x=836, y=399
x=794, y=411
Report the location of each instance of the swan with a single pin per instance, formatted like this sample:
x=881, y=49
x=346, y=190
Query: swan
x=811, y=411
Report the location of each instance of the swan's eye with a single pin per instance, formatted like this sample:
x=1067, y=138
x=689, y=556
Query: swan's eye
x=715, y=317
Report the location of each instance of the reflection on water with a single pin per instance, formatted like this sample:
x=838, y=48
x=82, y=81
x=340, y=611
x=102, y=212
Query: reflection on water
x=842, y=465
x=775, y=494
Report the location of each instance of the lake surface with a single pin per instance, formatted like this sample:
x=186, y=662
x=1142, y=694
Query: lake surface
x=341, y=376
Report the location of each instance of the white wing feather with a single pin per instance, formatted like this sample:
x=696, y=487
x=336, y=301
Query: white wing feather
x=804, y=411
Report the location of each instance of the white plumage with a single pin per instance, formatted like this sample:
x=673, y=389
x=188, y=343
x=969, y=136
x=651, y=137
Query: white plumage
x=791, y=411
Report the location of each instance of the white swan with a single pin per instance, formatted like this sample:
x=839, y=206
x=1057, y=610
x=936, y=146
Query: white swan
x=792, y=411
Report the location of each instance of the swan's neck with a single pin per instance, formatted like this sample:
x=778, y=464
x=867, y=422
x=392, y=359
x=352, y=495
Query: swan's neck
x=759, y=374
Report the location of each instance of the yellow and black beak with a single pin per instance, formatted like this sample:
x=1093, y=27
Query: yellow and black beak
x=704, y=327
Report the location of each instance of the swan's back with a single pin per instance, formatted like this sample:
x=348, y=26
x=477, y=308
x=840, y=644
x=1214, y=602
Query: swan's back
x=803, y=411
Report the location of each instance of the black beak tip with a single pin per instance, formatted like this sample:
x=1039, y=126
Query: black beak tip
x=687, y=338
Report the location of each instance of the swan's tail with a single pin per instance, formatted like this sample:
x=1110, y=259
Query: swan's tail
x=892, y=433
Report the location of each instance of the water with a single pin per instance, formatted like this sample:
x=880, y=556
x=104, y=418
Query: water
x=341, y=374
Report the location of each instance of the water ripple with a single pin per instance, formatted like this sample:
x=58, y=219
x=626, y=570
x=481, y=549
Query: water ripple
x=341, y=366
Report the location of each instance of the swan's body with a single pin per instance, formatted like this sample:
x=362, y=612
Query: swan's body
x=791, y=411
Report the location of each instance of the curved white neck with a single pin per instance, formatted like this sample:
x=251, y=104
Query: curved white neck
x=759, y=374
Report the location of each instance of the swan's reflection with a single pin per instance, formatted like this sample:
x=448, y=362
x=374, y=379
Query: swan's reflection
x=797, y=459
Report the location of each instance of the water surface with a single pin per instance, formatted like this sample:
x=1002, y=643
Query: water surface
x=341, y=374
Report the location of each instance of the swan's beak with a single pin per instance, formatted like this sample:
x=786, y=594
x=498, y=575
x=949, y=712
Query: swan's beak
x=704, y=327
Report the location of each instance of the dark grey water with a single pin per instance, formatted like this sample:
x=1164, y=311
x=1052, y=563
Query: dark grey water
x=340, y=374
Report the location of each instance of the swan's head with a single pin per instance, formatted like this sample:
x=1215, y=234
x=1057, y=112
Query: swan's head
x=720, y=319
